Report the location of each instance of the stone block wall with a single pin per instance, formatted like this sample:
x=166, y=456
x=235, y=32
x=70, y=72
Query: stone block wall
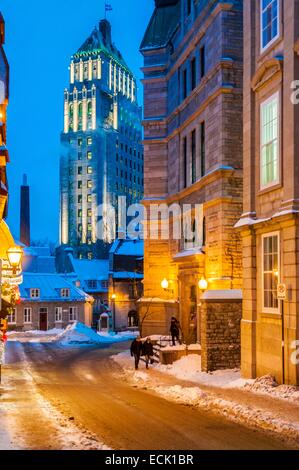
x=220, y=334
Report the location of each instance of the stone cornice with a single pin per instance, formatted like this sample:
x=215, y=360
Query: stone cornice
x=269, y=69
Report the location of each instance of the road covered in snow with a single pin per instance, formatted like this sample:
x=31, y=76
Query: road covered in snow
x=77, y=397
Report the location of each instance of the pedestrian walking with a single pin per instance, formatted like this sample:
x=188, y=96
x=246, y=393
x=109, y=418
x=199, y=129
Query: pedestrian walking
x=148, y=351
x=136, y=350
x=175, y=328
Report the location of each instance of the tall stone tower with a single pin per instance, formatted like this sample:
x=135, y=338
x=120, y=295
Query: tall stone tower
x=25, y=212
x=102, y=155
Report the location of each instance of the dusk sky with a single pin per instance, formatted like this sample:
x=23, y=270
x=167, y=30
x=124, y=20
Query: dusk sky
x=40, y=39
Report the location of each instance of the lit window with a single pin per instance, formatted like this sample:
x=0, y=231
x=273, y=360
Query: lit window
x=80, y=213
x=34, y=293
x=73, y=314
x=89, y=255
x=89, y=170
x=58, y=314
x=89, y=184
x=65, y=293
x=89, y=141
x=270, y=257
x=27, y=315
x=89, y=155
x=269, y=22
x=89, y=198
x=269, y=142
x=89, y=227
x=89, y=213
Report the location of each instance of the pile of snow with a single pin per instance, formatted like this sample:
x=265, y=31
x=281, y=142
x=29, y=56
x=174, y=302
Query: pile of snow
x=267, y=385
x=183, y=395
x=78, y=333
x=189, y=368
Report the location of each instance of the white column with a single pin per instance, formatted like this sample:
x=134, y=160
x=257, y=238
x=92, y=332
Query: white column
x=119, y=78
x=133, y=90
x=75, y=117
x=66, y=112
x=124, y=84
x=110, y=75
x=81, y=71
x=84, y=109
x=90, y=69
x=72, y=73
x=128, y=86
x=114, y=79
x=115, y=114
x=94, y=104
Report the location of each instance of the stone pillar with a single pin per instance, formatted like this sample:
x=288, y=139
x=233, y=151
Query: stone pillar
x=220, y=330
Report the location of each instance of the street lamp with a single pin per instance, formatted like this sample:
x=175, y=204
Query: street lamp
x=15, y=255
x=203, y=284
x=113, y=298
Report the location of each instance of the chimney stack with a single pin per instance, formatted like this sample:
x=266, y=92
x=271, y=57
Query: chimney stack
x=25, y=212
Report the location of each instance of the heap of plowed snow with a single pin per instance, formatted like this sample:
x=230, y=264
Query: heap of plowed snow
x=78, y=333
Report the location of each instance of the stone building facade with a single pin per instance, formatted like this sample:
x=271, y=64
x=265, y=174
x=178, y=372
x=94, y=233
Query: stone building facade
x=193, y=155
x=270, y=224
x=102, y=155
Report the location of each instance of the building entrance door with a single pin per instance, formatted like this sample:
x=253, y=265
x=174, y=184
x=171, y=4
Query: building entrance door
x=43, y=319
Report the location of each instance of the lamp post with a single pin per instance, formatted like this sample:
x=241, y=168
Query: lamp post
x=202, y=285
x=14, y=255
x=113, y=298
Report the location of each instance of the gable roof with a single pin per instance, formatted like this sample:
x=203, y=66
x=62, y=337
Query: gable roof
x=50, y=286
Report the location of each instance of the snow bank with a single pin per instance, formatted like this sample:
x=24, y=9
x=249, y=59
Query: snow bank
x=78, y=333
x=267, y=385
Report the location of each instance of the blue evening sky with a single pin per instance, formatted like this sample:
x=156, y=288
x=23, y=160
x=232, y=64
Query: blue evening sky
x=40, y=38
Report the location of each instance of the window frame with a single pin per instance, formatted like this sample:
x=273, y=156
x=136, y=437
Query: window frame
x=264, y=48
x=277, y=310
x=64, y=291
x=29, y=309
x=263, y=103
x=14, y=314
x=60, y=315
x=36, y=290
x=75, y=308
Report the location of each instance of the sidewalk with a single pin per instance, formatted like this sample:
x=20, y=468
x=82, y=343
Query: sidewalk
x=234, y=399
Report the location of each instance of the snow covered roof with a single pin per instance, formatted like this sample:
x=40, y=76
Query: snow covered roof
x=128, y=248
x=91, y=270
x=50, y=286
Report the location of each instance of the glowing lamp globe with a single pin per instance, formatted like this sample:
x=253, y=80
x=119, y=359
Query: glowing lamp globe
x=14, y=255
x=164, y=284
x=203, y=284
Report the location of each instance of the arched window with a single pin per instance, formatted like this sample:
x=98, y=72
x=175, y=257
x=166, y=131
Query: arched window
x=89, y=109
x=80, y=108
x=132, y=319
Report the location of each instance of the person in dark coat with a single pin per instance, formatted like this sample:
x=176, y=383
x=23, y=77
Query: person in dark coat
x=175, y=330
x=136, y=350
x=148, y=351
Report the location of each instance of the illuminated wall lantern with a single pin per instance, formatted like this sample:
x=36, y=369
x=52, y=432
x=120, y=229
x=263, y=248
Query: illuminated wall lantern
x=203, y=284
x=15, y=255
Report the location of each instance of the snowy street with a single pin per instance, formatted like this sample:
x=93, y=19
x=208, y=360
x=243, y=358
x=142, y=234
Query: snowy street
x=55, y=397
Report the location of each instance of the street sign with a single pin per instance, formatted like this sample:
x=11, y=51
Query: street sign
x=281, y=291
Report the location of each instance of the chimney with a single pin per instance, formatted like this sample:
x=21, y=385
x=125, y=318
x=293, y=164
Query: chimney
x=25, y=213
x=105, y=29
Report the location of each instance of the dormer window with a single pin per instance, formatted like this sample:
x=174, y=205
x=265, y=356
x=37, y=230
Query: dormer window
x=34, y=293
x=65, y=293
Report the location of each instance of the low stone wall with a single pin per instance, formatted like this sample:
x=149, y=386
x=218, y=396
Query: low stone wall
x=221, y=334
x=171, y=355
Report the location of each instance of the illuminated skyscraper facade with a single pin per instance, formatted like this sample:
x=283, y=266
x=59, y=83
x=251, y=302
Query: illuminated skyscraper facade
x=101, y=151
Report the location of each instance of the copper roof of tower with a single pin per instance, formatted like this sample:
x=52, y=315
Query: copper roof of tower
x=100, y=41
x=162, y=25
